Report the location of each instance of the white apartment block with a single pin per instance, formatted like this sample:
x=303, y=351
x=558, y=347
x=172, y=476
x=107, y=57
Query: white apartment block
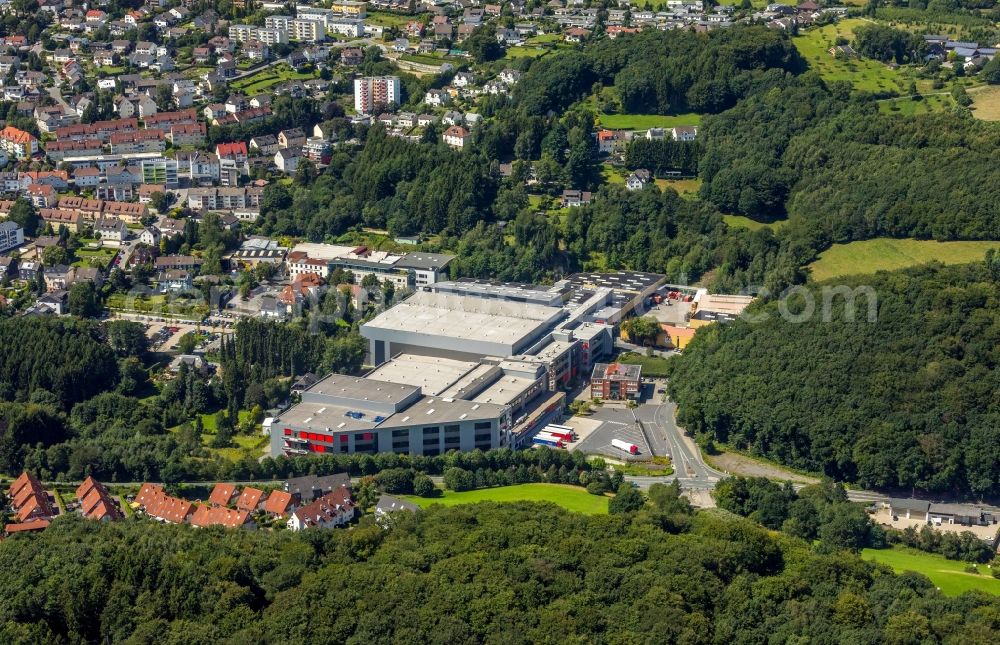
x=350, y=27
x=243, y=33
x=301, y=29
x=11, y=236
x=372, y=91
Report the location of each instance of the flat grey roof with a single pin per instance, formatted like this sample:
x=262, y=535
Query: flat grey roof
x=504, y=390
x=432, y=410
x=909, y=504
x=420, y=260
x=466, y=317
x=324, y=416
x=431, y=374
x=617, y=371
x=632, y=281
x=362, y=389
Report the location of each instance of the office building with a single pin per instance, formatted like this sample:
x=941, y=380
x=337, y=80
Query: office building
x=616, y=381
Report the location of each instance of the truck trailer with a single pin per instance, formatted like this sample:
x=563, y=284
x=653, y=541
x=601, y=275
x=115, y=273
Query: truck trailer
x=625, y=446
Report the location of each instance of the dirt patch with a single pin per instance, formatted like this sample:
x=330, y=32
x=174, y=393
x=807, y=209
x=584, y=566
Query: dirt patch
x=736, y=464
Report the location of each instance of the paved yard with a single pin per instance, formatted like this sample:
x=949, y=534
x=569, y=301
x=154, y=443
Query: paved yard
x=615, y=422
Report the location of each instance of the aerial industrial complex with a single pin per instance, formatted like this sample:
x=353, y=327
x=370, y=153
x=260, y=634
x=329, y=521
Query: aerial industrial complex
x=464, y=365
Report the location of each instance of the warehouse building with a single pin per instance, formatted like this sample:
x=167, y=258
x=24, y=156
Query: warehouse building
x=348, y=414
x=461, y=365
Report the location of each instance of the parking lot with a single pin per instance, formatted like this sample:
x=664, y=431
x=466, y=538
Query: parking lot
x=614, y=421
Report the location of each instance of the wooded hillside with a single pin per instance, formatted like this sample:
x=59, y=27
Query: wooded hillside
x=516, y=573
x=909, y=401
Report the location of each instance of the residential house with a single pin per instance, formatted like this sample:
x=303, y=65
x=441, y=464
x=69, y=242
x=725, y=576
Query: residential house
x=333, y=509
x=140, y=106
x=207, y=516
x=58, y=276
x=111, y=230
x=96, y=503
x=265, y=144
x=251, y=500
x=388, y=505
x=638, y=179
x=186, y=262
x=150, y=236
x=291, y=138
x=574, y=198
x=287, y=160
x=279, y=503
x=456, y=136
x=222, y=494
x=236, y=151
x=684, y=133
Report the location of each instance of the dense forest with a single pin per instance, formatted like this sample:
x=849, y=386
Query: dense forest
x=486, y=573
x=907, y=402
x=59, y=361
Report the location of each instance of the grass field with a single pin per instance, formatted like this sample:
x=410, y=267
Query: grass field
x=684, y=187
x=572, y=498
x=651, y=365
x=864, y=74
x=948, y=575
x=525, y=52
x=423, y=59
x=986, y=102
x=647, y=121
x=909, y=107
x=869, y=256
x=388, y=19
x=739, y=221
x=265, y=78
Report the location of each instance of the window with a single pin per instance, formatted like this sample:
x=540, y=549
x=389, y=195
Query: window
x=484, y=437
x=484, y=425
x=400, y=433
x=430, y=431
x=451, y=441
x=433, y=452
x=450, y=429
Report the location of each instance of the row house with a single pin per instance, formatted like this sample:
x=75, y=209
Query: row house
x=88, y=209
x=165, y=119
x=160, y=506
x=101, y=130
x=96, y=503
x=206, y=516
x=59, y=150
x=128, y=212
x=141, y=141
x=57, y=217
x=29, y=499
x=184, y=134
